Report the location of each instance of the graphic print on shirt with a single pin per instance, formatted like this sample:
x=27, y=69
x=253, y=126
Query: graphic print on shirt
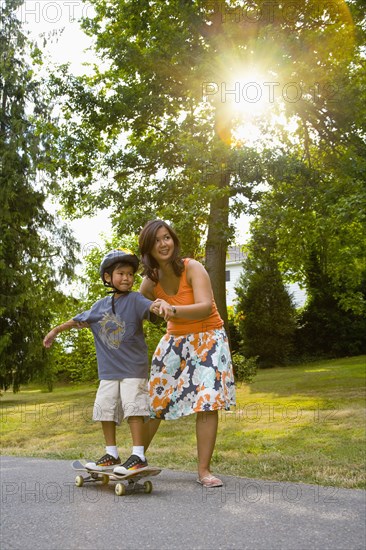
x=112, y=330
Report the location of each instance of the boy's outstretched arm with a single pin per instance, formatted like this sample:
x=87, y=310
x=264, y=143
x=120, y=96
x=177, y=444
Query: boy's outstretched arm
x=49, y=338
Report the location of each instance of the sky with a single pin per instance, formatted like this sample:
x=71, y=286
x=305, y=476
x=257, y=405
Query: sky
x=57, y=21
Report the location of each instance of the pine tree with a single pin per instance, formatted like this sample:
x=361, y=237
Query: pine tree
x=35, y=251
x=266, y=312
x=325, y=328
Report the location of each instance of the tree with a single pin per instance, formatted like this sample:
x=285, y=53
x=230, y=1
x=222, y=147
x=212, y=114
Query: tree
x=157, y=118
x=325, y=328
x=316, y=197
x=264, y=308
x=35, y=250
x=309, y=210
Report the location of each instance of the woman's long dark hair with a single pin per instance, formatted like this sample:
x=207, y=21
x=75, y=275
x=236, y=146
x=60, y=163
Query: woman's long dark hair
x=146, y=243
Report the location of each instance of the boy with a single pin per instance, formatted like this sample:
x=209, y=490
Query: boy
x=116, y=323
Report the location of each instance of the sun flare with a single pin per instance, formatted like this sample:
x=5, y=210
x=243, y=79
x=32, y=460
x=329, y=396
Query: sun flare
x=244, y=97
x=251, y=94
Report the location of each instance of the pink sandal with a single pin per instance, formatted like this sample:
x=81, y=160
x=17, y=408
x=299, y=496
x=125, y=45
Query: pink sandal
x=210, y=481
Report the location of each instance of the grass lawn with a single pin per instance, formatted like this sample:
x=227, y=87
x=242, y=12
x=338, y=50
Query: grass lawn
x=302, y=423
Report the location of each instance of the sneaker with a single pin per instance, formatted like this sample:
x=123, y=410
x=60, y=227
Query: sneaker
x=131, y=465
x=106, y=462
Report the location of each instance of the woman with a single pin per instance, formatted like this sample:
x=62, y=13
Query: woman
x=191, y=369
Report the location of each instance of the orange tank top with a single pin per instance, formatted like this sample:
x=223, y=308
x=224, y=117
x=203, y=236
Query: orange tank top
x=184, y=297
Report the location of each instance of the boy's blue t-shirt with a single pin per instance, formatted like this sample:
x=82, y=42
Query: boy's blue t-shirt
x=119, y=339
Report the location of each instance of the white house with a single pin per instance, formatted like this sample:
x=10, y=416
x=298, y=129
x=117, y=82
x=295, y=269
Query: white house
x=234, y=260
x=235, y=257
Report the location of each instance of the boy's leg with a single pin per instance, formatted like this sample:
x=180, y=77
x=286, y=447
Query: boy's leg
x=109, y=432
x=135, y=401
x=136, y=424
x=135, y=405
x=107, y=411
x=137, y=460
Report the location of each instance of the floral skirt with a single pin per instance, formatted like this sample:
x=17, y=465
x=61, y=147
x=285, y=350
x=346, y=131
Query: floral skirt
x=191, y=373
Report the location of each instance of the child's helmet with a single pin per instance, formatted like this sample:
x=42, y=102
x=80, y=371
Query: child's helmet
x=116, y=256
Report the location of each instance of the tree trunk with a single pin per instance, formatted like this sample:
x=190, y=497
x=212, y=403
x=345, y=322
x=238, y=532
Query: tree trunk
x=218, y=221
x=216, y=247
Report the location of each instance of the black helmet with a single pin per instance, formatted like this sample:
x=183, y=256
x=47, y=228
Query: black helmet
x=115, y=256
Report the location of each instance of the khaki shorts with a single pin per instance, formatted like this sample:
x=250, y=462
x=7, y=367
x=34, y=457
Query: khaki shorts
x=119, y=399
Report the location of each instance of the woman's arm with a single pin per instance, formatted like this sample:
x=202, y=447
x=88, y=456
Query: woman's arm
x=49, y=338
x=147, y=288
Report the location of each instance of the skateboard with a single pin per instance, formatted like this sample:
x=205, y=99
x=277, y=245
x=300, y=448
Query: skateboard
x=104, y=476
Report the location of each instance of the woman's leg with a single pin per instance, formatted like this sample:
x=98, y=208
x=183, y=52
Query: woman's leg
x=150, y=429
x=206, y=430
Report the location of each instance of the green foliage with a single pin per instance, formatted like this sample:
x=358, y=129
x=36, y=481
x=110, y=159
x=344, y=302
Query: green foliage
x=75, y=357
x=245, y=369
x=72, y=356
x=307, y=209
x=140, y=136
x=267, y=326
x=153, y=333
x=325, y=329
x=142, y=122
x=233, y=323
x=265, y=310
x=30, y=238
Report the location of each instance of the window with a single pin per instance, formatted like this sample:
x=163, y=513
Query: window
x=227, y=275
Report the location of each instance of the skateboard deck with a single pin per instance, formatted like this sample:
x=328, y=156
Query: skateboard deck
x=104, y=476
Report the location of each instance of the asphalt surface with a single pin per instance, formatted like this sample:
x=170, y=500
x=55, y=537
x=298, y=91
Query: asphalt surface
x=41, y=508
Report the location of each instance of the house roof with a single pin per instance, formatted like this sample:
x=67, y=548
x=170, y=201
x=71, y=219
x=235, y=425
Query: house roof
x=235, y=255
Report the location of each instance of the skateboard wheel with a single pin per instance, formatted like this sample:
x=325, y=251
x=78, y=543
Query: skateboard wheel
x=120, y=489
x=79, y=481
x=148, y=487
x=104, y=479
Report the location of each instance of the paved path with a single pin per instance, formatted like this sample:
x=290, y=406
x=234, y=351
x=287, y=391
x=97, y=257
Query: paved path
x=42, y=509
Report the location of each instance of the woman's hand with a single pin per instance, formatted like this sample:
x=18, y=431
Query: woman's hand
x=163, y=309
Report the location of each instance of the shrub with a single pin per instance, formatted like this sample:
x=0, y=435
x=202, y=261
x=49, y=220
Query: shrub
x=245, y=368
x=267, y=316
